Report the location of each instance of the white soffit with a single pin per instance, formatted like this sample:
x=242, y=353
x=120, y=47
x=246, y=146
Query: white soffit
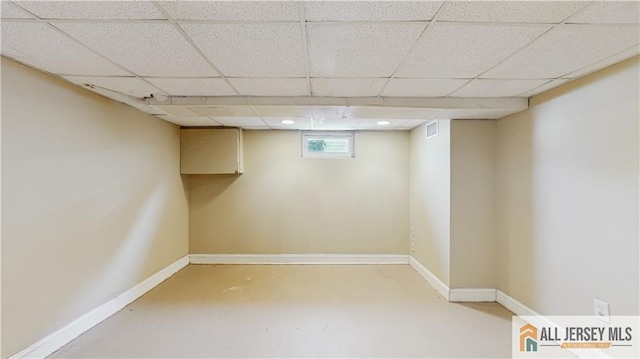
x=94, y=10
x=371, y=10
x=547, y=86
x=359, y=50
x=328, y=87
x=405, y=87
x=497, y=88
x=479, y=114
x=270, y=86
x=298, y=123
x=190, y=121
x=251, y=50
x=232, y=10
x=244, y=122
x=609, y=12
x=335, y=123
x=43, y=47
x=372, y=124
x=224, y=111
x=131, y=86
x=465, y=51
x=177, y=111
x=621, y=56
x=300, y=111
x=147, y=49
x=387, y=113
x=565, y=49
x=203, y=86
x=410, y=124
x=10, y=11
x=510, y=11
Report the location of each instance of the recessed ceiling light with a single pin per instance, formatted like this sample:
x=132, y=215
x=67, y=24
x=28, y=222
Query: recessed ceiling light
x=288, y=122
x=383, y=123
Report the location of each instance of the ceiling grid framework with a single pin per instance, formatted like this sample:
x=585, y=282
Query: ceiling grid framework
x=48, y=44
x=579, y=8
x=324, y=65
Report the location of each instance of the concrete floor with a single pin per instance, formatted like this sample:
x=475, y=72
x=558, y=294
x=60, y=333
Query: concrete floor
x=238, y=311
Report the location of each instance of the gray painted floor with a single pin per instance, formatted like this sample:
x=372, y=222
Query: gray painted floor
x=297, y=311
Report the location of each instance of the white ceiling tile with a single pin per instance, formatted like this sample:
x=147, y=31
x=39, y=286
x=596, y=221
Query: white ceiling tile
x=193, y=86
x=301, y=111
x=43, y=47
x=92, y=9
x=337, y=124
x=566, y=49
x=475, y=114
x=10, y=11
x=510, y=11
x=621, y=56
x=405, y=87
x=252, y=50
x=410, y=124
x=254, y=122
x=465, y=51
x=327, y=87
x=372, y=124
x=131, y=86
x=390, y=113
x=371, y=10
x=224, y=111
x=270, y=86
x=147, y=49
x=190, y=121
x=497, y=88
x=232, y=10
x=359, y=50
x=177, y=110
x=609, y=12
x=547, y=86
x=299, y=122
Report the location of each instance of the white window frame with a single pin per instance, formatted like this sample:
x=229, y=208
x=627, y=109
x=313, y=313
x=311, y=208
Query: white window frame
x=350, y=135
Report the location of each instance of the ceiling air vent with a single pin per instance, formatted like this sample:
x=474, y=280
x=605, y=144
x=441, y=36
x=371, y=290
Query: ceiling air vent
x=432, y=129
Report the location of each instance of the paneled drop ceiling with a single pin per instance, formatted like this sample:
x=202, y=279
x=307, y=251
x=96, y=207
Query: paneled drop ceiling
x=324, y=65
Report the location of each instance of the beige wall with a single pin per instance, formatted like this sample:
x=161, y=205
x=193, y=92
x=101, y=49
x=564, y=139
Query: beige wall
x=92, y=202
x=287, y=204
x=568, y=196
x=429, y=203
x=473, y=212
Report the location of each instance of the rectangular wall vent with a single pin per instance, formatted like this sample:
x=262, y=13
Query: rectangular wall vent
x=432, y=129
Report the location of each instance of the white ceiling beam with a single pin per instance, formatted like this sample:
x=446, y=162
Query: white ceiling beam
x=503, y=103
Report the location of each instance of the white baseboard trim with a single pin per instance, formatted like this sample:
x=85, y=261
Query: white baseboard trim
x=298, y=259
x=472, y=295
x=513, y=305
x=522, y=310
x=431, y=278
x=57, y=340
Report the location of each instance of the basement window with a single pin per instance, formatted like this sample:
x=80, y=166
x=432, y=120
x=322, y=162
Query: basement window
x=331, y=144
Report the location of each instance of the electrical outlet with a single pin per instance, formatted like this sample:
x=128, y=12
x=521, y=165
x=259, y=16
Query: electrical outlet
x=601, y=310
x=413, y=231
x=413, y=246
